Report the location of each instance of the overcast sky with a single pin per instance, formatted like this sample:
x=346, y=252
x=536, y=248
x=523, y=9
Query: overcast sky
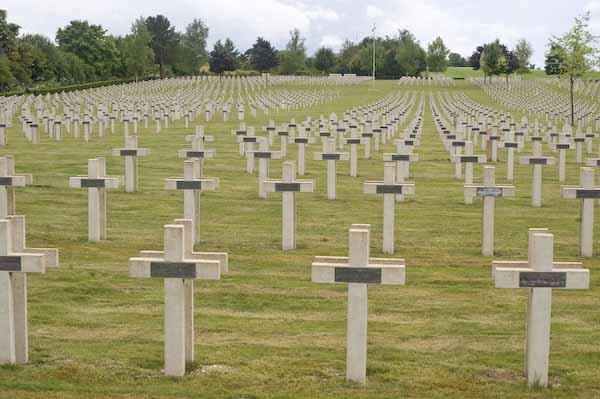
x=463, y=24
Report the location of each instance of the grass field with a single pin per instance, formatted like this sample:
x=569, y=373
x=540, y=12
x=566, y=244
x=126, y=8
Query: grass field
x=266, y=331
x=468, y=72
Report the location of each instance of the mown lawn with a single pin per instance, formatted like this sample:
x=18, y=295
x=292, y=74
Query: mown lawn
x=266, y=331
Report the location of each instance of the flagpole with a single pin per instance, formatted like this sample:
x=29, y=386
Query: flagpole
x=374, y=27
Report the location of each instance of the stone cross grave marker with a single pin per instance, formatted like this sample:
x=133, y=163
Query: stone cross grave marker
x=178, y=271
x=540, y=277
x=131, y=152
x=302, y=140
x=358, y=270
x=537, y=161
x=389, y=187
x=288, y=186
x=198, y=153
x=96, y=182
x=468, y=159
x=586, y=193
x=402, y=158
x=489, y=191
x=562, y=146
x=331, y=156
x=264, y=156
x=192, y=185
x=8, y=181
x=16, y=260
x=511, y=145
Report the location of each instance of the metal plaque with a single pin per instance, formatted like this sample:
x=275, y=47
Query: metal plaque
x=172, y=270
x=543, y=279
x=489, y=192
x=5, y=181
x=301, y=140
x=10, y=263
x=249, y=139
x=587, y=194
x=458, y=144
x=283, y=187
x=188, y=185
x=400, y=157
x=262, y=154
x=331, y=157
x=128, y=153
x=409, y=142
x=511, y=145
x=366, y=275
x=389, y=189
x=240, y=132
x=283, y=133
x=469, y=158
x=563, y=146
x=367, y=134
x=538, y=161
x=353, y=141
x=194, y=154
x=89, y=183
x=324, y=134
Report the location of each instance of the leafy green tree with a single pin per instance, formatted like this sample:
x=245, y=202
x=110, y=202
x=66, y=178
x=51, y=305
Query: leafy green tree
x=7, y=80
x=552, y=65
x=523, y=51
x=138, y=55
x=493, y=60
x=437, y=55
x=577, y=53
x=223, y=57
x=8, y=33
x=262, y=56
x=192, y=51
x=293, y=58
x=412, y=59
x=474, y=59
x=324, y=59
x=90, y=44
x=164, y=40
x=457, y=60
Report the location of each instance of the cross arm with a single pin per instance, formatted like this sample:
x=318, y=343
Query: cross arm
x=536, y=160
x=50, y=255
x=14, y=181
x=505, y=277
x=523, y=264
x=264, y=154
x=379, y=187
x=131, y=152
x=469, y=158
x=389, y=157
x=196, y=154
x=102, y=182
x=23, y=263
x=187, y=269
x=203, y=184
x=494, y=191
x=328, y=156
x=592, y=162
x=301, y=186
x=206, y=139
x=572, y=192
x=220, y=257
x=372, y=274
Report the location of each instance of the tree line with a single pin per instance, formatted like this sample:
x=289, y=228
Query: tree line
x=84, y=52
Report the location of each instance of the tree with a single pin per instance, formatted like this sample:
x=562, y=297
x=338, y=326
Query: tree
x=411, y=58
x=324, y=59
x=474, y=59
x=262, y=56
x=293, y=58
x=577, y=54
x=193, y=47
x=7, y=80
x=90, y=44
x=457, y=60
x=164, y=40
x=223, y=57
x=553, y=60
x=493, y=60
x=8, y=33
x=437, y=55
x=523, y=51
x=138, y=55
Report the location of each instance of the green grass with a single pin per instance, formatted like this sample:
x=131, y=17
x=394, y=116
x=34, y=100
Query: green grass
x=266, y=331
x=468, y=72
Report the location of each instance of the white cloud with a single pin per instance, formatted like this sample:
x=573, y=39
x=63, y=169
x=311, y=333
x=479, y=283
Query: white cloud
x=332, y=41
x=374, y=12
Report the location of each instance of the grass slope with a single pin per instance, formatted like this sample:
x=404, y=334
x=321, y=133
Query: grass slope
x=264, y=330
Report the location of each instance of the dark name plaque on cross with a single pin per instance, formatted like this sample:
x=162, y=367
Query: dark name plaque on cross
x=262, y=154
x=458, y=144
x=128, y=153
x=324, y=134
x=249, y=139
x=543, y=279
x=400, y=157
x=409, y=142
x=283, y=133
x=89, y=183
x=489, y=191
x=331, y=157
x=563, y=146
x=368, y=135
x=188, y=185
x=587, y=193
x=5, y=181
x=511, y=145
x=538, y=161
x=10, y=263
x=469, y=158
x=367, y=275
x=195, y=154
x=172, y=270
x=388, y=189
x=353, y=141
x=281, y=187
x=301, y=140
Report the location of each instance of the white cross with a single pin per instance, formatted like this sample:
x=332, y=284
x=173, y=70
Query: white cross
x=131, y=152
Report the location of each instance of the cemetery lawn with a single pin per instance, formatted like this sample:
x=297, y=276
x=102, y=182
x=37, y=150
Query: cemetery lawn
x=266, y=331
